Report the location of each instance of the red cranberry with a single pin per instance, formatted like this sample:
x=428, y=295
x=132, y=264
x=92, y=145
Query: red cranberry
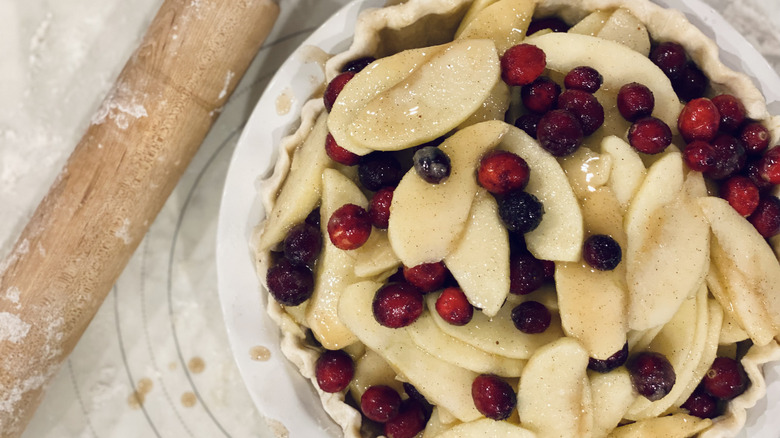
x=453, y=306
x=670, y=58
x=731, y=156
x=766, y=217
x=531, y=317
x=699, y=120
x=397, y=305
x=741, y=193
x=732, y=112
x=493, y=397
x=635, y=101
x=290, y=284
x=651, y=375
x=526, y=273
x=560, y=132
x=529, y=123
x=725, y=379
x=585, y=107
x=753, y=171
x=540, y=95
x=379, y=207
x=501, y=172
x=583, y=78
x=555, y=24
x=702, y=405
x=349, y=227
x=522, y=64
x=380, y=403
x=521, y=212
x=700, y=156
x=769, y=166
x=690, y=83
x=426, y=276
x=755, y=137
x=303, y=244
x=610, y=363
x=338, y=153
x=409, y=422
x=602, y=252
x=334, y=370
x=334, y=88
x=378, y=170
x=650, y=135
x=357, y=65
x=432, y=164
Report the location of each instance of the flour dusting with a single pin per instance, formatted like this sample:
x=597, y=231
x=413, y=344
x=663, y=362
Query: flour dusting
x=12, y=328
x=12, y=294
x=122, y=106
x=228, y=78
x=123, y=232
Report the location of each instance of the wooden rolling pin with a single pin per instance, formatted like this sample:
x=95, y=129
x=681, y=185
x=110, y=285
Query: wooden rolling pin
x=116, y=181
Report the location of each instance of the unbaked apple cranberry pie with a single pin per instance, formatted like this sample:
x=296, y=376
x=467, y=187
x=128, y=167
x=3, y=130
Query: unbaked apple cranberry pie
x=523, y=218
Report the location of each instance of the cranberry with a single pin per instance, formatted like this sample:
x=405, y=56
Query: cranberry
x=453, y=306
x=397, y=305
x=549, y=269
x=521, y=212
x=650, y=135
x=290, y=284
x=670, y=58
x=334, y=88
x=338, y=153
x=555, y=24
x=522, y=64
x=357, y=65
x=690, y=83
x=585, y=107
x=409, y=422
x=493, y=397
x=755, y=137
x=731, y=156
x=651, y=375
x=531, y=317
x=526, y=273
x=700, y=156
x=766, y=217
x=741, y=193
x=378, y=170
x=583, y=78
x=700, y=404
x=529, y=123
x=753, y=171
x=559, y=132
x=540, y=95
x=413, y=393
x=349, y=227
x=380, y=403
x=501, y=172
x=610, y=363
x=432, y=164
x=379, y=207
x=302, y=244
x=732, y=112
x=334, y=370
x=314, y=217
x=725, y=379
x=635, y=101
x=699, y=120
x=602, y=252
x=426, y=276
x=769, y=166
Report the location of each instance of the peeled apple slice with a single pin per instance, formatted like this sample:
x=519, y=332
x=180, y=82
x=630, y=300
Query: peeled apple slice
x=628, y=171
x=376, y=256
x=623, y=27
x=591, y=24
x=371, y=370
x=612, y=394
x=486, y=428
x=427, y=220
x=671, y=426
x=438, y=423
x=505, y=22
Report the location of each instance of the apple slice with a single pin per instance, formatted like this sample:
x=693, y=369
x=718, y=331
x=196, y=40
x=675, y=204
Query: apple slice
x=370, y=370
x=661, y=185
x=628, y=171
x=709, y=352
x=617, y=63
x=559, y=236
x=376, y=256
x=586, y=170
x=493, y=108
x=505, y=22
x=671, y=426
x=427, y=220
x=558, y=369
x=476, y=7
x=591, y=24
x=487, y=428
x=612, y=394
x=623, y=27
x=480, y=262
x=439, y=422
x=302, y=187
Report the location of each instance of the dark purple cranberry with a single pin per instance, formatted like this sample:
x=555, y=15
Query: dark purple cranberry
x=725, y=379
x=529, y=123
x=610, y=363
x=427, y=277
x=635, y=101
x=741, y=193
x=732, y=112
x=753, y=171
x=560, y=132
x=670, y=58
x=651, y=375
x=766, y=217
x=314, y=217
x=397, y=305
x=357, y=65
x=691, y=83
x=349, y=227
x=702, y=405
x=378, y=170
x=413, y=393
x=521, y=211
x=755, y=137
x=453, y=306
x=583, y=78
x=555, y=24
x=522, y=64
x=731, y=156
x=432, y=164
x=769, y=166
x=334, y=88
x=531, y=317
x=585, y=107
x=379, y=207
x=493, y=397
x=409, y=422
x=290, y=284
x=501, y=172
x=338, y=153
x=602, y=252
x=650, y=135
x=700, y=156
x=526, y=273
x=380, y=403
x=549, y=269
x=334, y=370
x=540, y=95
x=303, y=244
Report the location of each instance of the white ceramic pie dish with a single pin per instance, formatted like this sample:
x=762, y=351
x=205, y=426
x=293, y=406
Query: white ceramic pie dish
x=278, y=389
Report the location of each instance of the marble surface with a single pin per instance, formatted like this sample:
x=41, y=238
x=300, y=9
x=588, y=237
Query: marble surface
x=156, y=362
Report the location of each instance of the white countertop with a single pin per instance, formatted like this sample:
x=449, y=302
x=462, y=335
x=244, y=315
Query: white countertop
x=156, y=361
